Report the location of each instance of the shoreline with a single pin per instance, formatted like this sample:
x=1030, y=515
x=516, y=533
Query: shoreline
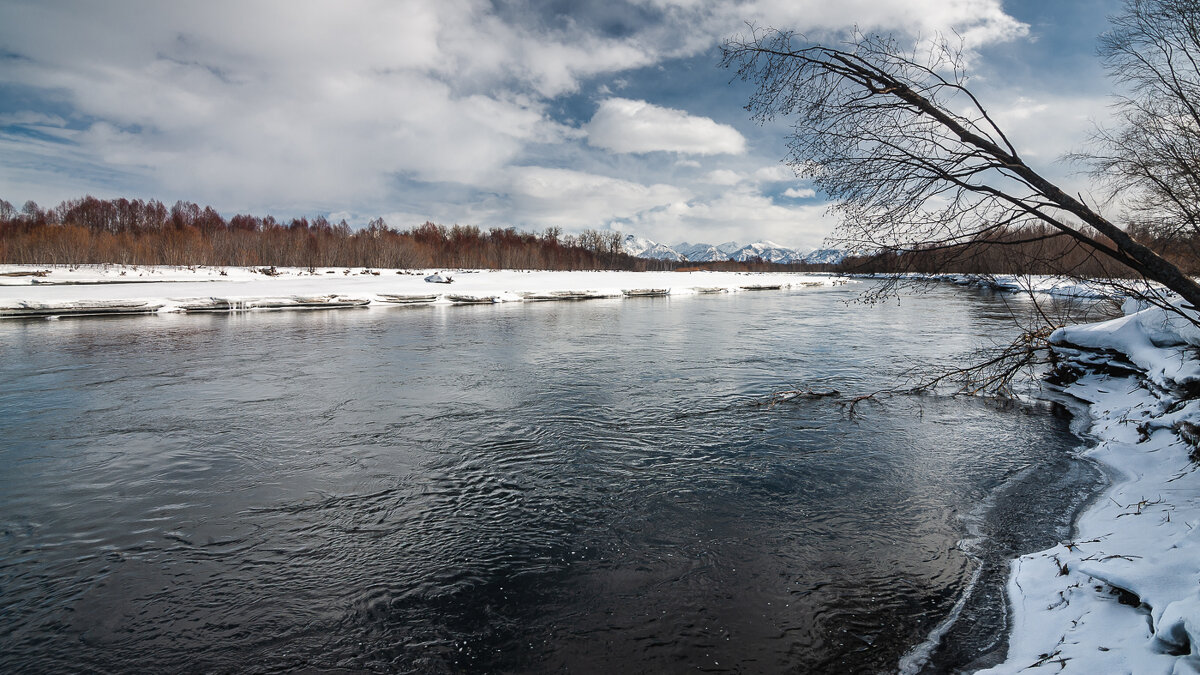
x=1121, y=594
x=975, y=634
x=32, y=291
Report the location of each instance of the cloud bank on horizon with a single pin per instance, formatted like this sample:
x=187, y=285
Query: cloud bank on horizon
x=496, y=114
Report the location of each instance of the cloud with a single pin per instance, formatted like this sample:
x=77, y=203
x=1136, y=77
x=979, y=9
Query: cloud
x=731, y=215
x=571, y=199
x=723, y=177
x=978, y=22
x=290, y=106
x=1046, y=126
x=32, y=119
x=800, y=193
x=1020, y=109
x=775, y=173
x=623, y=125
x=451, y=111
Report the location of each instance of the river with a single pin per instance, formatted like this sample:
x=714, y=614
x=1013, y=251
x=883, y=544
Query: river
x=525, y=487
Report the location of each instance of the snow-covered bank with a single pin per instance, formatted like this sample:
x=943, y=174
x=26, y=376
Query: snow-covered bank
x=1124, y=595
x=108, y=289
x=1040, y=284
x=1063, y=287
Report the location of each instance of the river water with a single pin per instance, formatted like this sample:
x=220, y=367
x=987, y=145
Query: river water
x=581, y=487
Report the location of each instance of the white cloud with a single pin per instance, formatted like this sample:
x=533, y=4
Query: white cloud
x=555, y=68
x=978, y=22
x=800, y=193
x=1022, y=108
x=275, y=104
x=575, y=200
x=414, y=109
x=774, y=174
x=723, y=177
x=739, y=214
x=626, y=126
x=1047, y=126
x=33, y=119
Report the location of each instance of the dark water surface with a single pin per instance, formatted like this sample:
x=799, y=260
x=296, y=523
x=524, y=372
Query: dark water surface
x=579, y=487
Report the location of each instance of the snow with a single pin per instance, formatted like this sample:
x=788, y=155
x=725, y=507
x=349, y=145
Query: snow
x=642, y=247
x=1124, y=594
x=768, y=251
x=1059, y=286
x=700, y=252
x=825, y=256
x=1063, y=287
x=92, y=289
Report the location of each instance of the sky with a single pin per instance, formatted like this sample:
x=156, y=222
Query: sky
x=607, y=115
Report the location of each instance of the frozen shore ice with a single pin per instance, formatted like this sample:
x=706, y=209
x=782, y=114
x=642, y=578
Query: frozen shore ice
x=27, y=290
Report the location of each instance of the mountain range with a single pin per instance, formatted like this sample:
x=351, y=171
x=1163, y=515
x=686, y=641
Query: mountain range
x=642, y=247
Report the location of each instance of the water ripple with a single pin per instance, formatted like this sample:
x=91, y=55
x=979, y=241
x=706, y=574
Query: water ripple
x=583, y=487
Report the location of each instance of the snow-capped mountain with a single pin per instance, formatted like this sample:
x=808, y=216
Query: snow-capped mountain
x=767, y=251
x=825, y=256
x=642, y=247
x=700, y=252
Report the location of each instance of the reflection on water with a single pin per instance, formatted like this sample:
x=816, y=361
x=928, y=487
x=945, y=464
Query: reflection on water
x=532, y=487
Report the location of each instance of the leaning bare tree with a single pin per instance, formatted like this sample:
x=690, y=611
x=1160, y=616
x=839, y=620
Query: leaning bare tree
x=912, y=159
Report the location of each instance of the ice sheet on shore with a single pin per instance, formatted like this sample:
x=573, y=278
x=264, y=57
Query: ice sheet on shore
x=1063, y=287
x=1041, y=284
x=1124, y=594
x=28, y=290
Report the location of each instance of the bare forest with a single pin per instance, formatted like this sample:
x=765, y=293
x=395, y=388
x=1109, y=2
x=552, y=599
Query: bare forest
x=137, y=232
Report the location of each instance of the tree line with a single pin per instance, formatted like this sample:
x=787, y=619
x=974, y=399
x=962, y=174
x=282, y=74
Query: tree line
x=137, y=232
x=1036, y=249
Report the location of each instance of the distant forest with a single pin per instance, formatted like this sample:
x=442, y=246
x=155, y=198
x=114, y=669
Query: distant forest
x=1036, y=249
x=136, y=232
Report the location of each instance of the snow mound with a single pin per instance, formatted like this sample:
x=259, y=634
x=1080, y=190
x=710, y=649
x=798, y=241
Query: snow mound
x=1123, y=595
x=1063, y=287
x=1153, y=339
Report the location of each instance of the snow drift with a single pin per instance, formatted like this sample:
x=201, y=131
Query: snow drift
x=1124, y=594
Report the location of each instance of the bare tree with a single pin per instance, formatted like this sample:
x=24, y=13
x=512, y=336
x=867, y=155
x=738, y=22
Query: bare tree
x=1151, y=160
x=911, y=157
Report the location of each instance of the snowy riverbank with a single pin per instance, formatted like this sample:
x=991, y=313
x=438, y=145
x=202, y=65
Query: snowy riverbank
x=1124, y=594
x=1040, y=284
x=30, y=291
